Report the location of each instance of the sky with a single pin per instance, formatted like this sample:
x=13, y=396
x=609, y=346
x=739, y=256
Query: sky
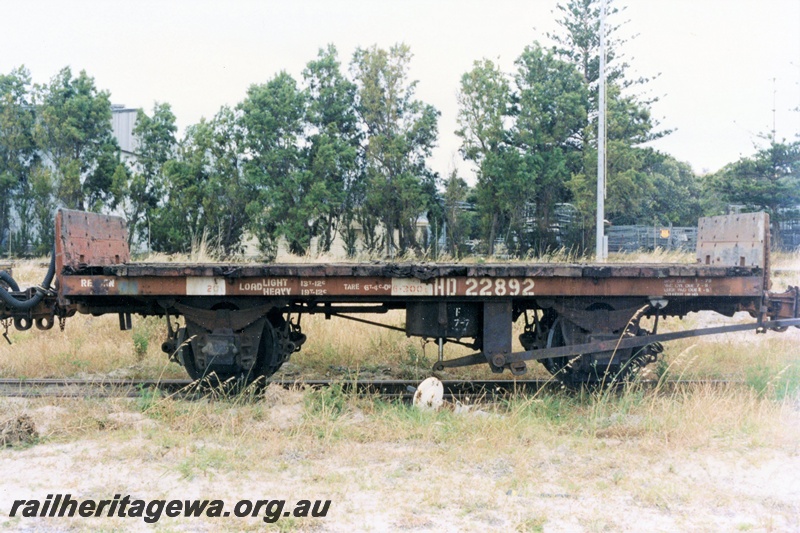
x=726, y=71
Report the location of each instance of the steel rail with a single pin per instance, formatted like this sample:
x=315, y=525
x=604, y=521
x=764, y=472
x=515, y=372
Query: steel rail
x=54, y=387
x=474, y=391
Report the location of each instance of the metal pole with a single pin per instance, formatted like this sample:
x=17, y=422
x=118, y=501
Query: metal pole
x=601, y=140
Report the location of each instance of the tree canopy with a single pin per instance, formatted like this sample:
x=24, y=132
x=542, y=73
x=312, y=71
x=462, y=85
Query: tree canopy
x=400, y=132
x=341, y=155
x=768, y=180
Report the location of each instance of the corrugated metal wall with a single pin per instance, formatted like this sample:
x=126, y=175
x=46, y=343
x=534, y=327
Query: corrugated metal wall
x=122, y=121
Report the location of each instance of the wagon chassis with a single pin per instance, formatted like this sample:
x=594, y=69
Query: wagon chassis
x=582, y=321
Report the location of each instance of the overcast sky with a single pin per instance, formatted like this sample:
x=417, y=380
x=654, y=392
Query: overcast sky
x=722, y=63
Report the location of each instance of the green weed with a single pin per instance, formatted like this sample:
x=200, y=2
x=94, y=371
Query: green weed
x=141, y=341
x=328, y=402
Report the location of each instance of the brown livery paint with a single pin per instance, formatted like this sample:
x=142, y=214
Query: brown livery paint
x=411, y=288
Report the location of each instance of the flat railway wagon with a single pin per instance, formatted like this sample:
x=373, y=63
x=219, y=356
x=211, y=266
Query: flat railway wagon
x=584, y=322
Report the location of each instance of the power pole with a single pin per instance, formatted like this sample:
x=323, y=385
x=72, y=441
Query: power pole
x=601, y=250
x=774, y=106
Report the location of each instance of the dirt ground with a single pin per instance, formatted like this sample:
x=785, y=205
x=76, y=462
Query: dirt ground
x=617, y=482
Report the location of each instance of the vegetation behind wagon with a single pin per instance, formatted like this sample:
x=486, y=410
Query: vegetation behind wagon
x=343, y=155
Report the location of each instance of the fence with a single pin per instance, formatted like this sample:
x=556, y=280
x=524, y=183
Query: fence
x=790, y=234
x=632, y=238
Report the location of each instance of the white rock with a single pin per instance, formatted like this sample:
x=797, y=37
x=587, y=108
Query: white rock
x=429, y=395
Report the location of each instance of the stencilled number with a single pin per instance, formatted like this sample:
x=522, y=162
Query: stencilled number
x=499, y=287
x=472, y=284
x=486, y=287
x=527, y=287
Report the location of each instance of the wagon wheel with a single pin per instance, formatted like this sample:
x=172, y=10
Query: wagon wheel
x=585, y=369
x=271, y=355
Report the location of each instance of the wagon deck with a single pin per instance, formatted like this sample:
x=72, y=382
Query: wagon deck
x=378, y=281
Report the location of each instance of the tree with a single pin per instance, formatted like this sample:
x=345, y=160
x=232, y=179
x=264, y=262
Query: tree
x=17, y=152
x=676, y=194
x=206, y=197
x=283, y=205
x=525, y=142
x=769, y=180
x=73, y=133
x=459, y=215
x=400, y=133
x=138, y=192
x=484, y=109
x=551, y=115
x=226, y=193
x=333, y=149
x=579, y=43
x=629, y=122
x=39, y=189
x=484, y=105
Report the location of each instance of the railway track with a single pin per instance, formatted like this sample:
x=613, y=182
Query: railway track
x=89, y=388
x=462, y=390
x=404, y=389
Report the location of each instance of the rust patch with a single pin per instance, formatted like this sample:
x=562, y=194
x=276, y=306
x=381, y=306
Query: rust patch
x=89, y=239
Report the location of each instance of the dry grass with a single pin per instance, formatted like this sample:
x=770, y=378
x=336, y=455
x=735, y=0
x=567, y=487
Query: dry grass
x=660, y=255
x=89, y=346
x=786, y=260
x=674, y=457
x=205, y=251
x=29, y=272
